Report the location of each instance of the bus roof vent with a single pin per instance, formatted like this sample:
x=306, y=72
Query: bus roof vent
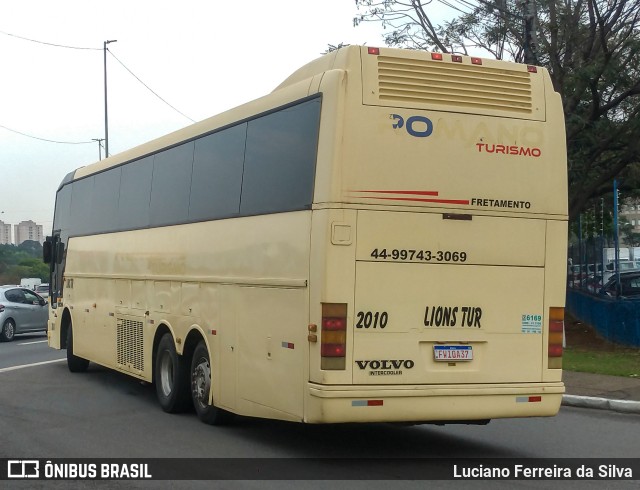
x=450, y=86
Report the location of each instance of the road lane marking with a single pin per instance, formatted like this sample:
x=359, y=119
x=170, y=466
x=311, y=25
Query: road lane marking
x=34, y=342
x=13, y=368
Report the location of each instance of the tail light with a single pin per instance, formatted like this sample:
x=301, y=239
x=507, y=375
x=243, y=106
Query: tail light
x=1, y=308
x=333, y=337
x=556, y=337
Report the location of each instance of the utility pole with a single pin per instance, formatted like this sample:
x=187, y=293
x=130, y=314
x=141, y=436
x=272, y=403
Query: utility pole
x=99, y=140
x=530, y=27
x=106, y=115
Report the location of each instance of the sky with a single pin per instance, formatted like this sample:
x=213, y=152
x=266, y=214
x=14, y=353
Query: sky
x=201, y=56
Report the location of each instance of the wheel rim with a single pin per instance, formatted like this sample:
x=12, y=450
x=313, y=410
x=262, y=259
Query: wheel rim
x=9, y=329
x=166, y=374
x=201, y=382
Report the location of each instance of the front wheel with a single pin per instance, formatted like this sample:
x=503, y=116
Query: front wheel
x=171, y=377
x=74, y=363
x=8, y=332
x=201, y=388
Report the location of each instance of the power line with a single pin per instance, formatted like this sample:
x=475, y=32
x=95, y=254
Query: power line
x=94, y=49
x=148, y=88
x=44, y=139
x=48, y=44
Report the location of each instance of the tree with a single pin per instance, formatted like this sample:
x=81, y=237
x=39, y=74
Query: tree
x=22, y=261
x=627, y=233
x=32, y=247
x=592, y=51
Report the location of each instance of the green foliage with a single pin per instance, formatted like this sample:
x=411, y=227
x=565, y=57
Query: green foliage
x=22, y=261
x=627, y=234
x=625, y=362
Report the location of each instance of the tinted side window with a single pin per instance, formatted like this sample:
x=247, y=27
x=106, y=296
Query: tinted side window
x=135, y=193
x=30, y=298
x=217, y=174
x=171, y=185
x=105, y=200
x=280, y=158
x=81, y=201
x=62, y=215
x=14, y=295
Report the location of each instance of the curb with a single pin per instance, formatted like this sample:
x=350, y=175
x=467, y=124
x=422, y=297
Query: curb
x=624, y=406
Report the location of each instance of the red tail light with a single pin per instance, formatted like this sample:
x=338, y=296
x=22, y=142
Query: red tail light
x=333, y=337
x=556, y=337
x=1, y=308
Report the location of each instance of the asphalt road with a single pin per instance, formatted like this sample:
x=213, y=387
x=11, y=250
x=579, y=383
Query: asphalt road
x=48, y=412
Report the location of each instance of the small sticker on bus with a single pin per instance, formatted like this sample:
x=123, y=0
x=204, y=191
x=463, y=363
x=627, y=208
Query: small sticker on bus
x=531, y=323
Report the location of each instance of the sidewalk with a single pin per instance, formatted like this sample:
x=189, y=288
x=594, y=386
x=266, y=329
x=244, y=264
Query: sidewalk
x=601, y=391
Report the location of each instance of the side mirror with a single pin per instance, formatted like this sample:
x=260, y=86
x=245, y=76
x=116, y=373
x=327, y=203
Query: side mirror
x=43, y=302
x=59, y=253
x=47, y=248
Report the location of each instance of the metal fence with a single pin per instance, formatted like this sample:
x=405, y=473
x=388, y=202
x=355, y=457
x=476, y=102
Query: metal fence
x=616, y=320
x=591, y=265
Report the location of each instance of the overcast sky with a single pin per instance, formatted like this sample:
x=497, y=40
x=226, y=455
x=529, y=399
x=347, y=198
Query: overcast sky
x=201, y=56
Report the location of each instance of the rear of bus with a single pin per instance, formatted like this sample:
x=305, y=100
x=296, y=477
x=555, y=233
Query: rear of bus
x=439, y=241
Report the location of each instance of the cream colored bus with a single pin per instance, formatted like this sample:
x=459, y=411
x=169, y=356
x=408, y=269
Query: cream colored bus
x=381, y=238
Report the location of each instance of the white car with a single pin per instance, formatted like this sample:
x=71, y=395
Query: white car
x=42, y=290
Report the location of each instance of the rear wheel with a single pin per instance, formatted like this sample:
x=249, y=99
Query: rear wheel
x=201, y=388
x=8, y=331
x=74, y=363
x=171, y=377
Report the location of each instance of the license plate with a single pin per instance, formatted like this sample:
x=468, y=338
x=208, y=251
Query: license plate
x=452, y=353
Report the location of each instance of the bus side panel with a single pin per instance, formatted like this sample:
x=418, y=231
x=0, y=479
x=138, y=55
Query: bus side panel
x=555, y=280
x=272, y=348
x=332, y=278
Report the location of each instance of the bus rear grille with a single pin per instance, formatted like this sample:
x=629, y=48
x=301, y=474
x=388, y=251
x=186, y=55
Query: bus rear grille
x=451, y=85
x=130, y=351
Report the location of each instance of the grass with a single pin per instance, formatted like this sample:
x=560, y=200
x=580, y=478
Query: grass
x=626, y=362
x=587, y=352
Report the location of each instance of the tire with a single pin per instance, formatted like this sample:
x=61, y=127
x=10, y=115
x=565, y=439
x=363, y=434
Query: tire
x=171, y=377
x=74, y=363
x=8, y=332
x=201, y=388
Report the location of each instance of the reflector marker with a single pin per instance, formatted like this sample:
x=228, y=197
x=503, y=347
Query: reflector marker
x=528, y=399
x=367, y=403
x=288, y=345
x=214, y=332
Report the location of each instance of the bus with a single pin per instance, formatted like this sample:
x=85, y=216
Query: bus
x=382, y=238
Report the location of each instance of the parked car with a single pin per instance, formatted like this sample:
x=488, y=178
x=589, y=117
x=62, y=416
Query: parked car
x=592, y=283
x=43, y=290
x=629, y=285
x=21, y=311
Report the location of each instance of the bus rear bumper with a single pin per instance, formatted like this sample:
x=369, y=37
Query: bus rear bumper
x=429, y=403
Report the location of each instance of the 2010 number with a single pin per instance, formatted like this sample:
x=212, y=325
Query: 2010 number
x=372, y=319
